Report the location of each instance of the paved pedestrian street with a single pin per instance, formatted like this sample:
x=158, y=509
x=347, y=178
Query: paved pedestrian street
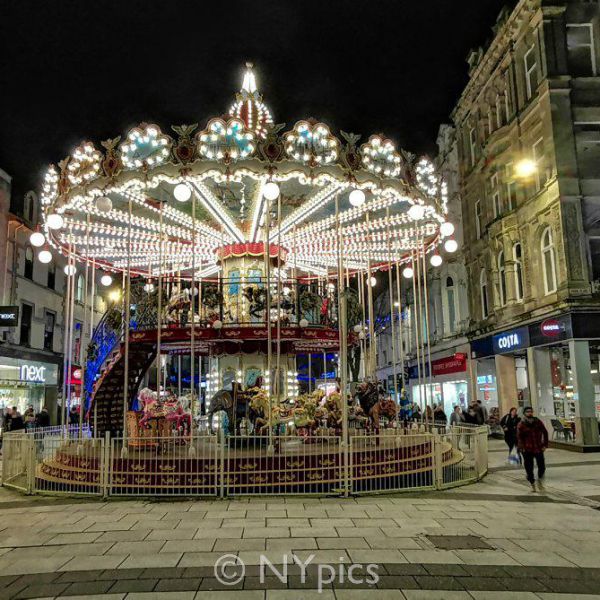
x=492, y=540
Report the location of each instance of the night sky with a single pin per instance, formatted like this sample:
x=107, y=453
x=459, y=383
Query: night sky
x=90, y=69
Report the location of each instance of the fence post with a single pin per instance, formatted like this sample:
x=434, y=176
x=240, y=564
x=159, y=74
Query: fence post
x=221, y=469
x=105, y=462
x=30, y=462
x=438, y=461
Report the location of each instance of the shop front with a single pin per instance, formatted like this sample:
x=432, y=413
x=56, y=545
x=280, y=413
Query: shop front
x=552, y=365
x=26, y=382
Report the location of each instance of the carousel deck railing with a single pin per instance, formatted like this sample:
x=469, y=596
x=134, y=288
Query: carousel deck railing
x=67, y=461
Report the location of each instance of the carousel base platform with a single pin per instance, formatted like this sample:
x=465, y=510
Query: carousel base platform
x=248, y=465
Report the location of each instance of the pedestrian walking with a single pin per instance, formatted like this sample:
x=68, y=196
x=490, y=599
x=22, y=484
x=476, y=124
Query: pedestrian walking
x=532, y=441
x=43, y=418
x=457, y=417
x=509, y=424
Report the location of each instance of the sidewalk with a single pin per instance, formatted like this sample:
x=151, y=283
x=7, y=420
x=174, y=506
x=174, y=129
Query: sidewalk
x=491, y=540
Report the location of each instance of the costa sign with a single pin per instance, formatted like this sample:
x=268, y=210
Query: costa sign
x=551, y=328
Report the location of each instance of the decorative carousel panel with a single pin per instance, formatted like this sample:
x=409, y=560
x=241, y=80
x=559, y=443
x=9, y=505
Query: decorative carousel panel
x=84, y=164
x=229, y=140
x=379, y=156
x=146, y=146
x=312, y=143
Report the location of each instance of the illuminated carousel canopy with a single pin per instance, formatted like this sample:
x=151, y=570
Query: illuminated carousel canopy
x=170, y=204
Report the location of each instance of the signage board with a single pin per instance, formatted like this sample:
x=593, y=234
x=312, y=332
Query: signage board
x=452, y=364
x=9, y=316
x=508, y=341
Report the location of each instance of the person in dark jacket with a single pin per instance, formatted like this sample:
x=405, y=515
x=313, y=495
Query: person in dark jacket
x=16, y=420
x=509, y=424
x=439, y=416
x=43, y=418
x=532, y=441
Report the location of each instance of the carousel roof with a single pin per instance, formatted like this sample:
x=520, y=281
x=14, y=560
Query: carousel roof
x=167, y=203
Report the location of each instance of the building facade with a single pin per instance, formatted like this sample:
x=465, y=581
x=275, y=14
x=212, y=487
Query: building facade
x=528, y=138
x=32, y=347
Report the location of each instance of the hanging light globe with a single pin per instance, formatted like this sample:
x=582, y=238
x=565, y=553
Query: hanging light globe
x=45, y=256
x=446, y=229
x=451, y=245
x=182, y=192
x=303, y=323
x=106, y=280
x=149, y=288
x=104, y=204
x=416, y=212
x=357, y=197
x=373, y=281
x=407, y=272
x=435, y=260
x=37, y=239
x=217, y=324
x=70, y=270
x=55, y=221
x=271, y=190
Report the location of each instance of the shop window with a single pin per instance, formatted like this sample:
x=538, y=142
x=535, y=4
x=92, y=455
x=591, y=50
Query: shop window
x=26, y=316
x=548, y=261
x=478, y=219
x=451, y=299
x=580, y=49
x=483, y=292
x=28, y=268
x=51, y=282
x=495, y=192
x=511, y=186
x=79, y=292
x=502, y=278
x=49, y=320
x=518, y=259
x=531, y=75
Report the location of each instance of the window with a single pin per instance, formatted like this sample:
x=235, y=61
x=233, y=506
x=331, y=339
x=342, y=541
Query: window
x=28, y=269
x=541, y=174
x=548, y=261
x=580, y=49
x=502, y=278
x=78, y=327
x=483, y=294
x=490, y=121
x=472, y=145
x=495, y=191
x=49, y=319
x=478, y=219
x=499, y=108
x=511, y=187
x=518, y=258
x=531, y=77
x=450, y=298
x=79, y=290
x=51, y=276
x=26, y=315
x=28, y=207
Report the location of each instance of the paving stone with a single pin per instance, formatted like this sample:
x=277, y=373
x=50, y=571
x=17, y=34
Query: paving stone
x=178, y=585
x=489, y=570
x=42, y=590
x=200, y=572
x=404, y=569
x=445, y=570
x=528, y=572
x=267, y=583
x=211, y=583
x=490, y=584
x=75, y=576
x=523, y=584
x=133, y=585
x=165, y=573
x=121, y=573
x=400, y=582
x=296, y=582
x=85, y=588
x=570, y=586
x=560, y=572
x=151, y=560
x=438, y=583
x=12, y=589
x=39, y=578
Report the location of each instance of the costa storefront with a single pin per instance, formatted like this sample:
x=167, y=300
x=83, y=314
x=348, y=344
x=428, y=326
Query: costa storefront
x=448, y=384
x=551, y=364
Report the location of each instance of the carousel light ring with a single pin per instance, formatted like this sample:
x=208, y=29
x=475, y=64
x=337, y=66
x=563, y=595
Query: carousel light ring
x=311, y=143
x=226, y=140
x=379, y=156
x=146, y=146
x=84, y=164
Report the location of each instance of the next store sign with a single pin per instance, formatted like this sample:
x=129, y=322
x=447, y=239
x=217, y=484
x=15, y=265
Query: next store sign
x=507, y=341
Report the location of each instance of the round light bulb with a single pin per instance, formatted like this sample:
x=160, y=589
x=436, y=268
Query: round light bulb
x=407, y=272
x=37, y=239
x=525, y=168
x=372, y=281
x=54, y=221
x=435, y=260
x=357, y=197
x=70, y=270
x=358, y=328
x=149, y=287
x=271, y=190
x=45, y=256
x=182, y=192
x=114, y=295
x=303, y=323
x=104, y=204
x=106, y=280
x=450, y=245
x=286, y=291
x=217, y=324
x=416, y=212
x=446, y=229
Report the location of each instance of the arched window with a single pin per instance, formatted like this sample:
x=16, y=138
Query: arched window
x=483, y=291
x=548, y=261
x=451, y=300
x=28, y=269
x=79, y=291
x=502, y=278
x=518, y=258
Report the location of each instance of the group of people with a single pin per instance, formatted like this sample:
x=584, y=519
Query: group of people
x=13, y=420
x=530, y=437
x=475, y=414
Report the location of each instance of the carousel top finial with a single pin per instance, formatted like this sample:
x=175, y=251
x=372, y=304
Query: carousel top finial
x=249, y=83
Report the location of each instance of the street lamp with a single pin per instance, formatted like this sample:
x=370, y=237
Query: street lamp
x=525, y=168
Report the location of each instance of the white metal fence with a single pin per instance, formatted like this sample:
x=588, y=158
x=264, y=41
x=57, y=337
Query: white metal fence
x=59, y=461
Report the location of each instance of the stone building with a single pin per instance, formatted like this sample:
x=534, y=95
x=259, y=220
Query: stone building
x=32, y=350
x=528, y=132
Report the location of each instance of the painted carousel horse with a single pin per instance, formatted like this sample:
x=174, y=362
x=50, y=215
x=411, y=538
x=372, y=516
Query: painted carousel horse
x=179, y=301
x=374, y=404
x=171, y=410
x=237, y=404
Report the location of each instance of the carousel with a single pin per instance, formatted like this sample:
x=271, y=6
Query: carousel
x=232, y=251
